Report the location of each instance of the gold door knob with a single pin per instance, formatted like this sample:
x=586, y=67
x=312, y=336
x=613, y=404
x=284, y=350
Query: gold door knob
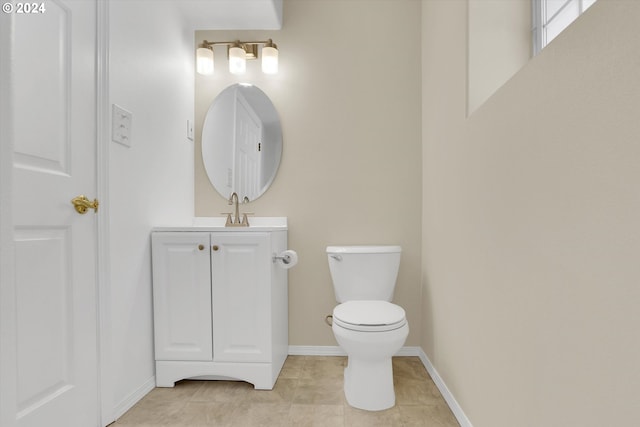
x=81, y=203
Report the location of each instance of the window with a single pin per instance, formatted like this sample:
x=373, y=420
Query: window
x=550, y=17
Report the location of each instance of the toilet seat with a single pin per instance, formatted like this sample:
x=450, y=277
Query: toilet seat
x=369, y=316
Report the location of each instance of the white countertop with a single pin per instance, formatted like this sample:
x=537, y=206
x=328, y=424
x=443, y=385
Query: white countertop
x=271, y=223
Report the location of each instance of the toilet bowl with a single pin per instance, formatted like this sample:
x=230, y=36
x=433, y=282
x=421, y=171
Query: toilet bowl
x=368, y=327
x=370, y=332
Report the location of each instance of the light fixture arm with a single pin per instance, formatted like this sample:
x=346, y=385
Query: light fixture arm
x=268, y=43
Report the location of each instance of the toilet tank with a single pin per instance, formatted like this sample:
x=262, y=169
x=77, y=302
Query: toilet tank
x=364, y=272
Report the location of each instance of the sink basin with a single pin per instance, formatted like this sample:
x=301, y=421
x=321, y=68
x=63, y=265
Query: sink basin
x=216, y=223
x=209, y=221
x=260, y=222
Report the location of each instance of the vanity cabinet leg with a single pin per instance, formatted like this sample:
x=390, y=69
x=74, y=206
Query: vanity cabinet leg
x=164, y=380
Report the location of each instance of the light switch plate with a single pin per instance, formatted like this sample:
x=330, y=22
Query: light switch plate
x=121, y=125
x=190, y=130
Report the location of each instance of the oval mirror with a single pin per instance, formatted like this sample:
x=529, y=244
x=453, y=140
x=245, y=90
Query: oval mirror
x=241, y=142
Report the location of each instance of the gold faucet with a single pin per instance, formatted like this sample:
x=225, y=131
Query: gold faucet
x=231, y=222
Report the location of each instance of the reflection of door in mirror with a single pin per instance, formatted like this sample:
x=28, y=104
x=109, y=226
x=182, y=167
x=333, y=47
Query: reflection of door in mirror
x=241, y=142
x=247, y=153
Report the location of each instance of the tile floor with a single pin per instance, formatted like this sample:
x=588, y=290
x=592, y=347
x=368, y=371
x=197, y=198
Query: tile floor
x=307, y=393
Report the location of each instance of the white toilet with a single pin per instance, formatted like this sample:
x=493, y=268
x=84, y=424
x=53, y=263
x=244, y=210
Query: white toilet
x=368, y=327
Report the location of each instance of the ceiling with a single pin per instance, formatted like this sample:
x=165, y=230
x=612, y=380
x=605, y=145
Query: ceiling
x=232, y=14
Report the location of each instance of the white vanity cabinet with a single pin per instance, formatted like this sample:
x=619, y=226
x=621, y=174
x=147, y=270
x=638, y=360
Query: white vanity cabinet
x=220, y=305
x=182, y=296
x=240, y=283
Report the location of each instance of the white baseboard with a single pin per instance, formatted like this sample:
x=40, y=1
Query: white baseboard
x=444, y=390
x=335, y=350
x=311, y=350
x=127, y=403
x=316, y=350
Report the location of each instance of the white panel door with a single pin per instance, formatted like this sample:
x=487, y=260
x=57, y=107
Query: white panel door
x=241, y=273
x=54, y=160
x=248, y=151
x=182, y=296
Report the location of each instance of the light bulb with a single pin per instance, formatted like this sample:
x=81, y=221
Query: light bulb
x=270, y=59
x=204, y=61
x=237, y=60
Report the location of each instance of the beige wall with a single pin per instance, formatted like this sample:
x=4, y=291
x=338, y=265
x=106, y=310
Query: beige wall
x=531, y=225
x=348, y=93
x=499, y=44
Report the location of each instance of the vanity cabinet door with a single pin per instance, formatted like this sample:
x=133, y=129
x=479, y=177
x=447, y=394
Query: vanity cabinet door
x=241, y=274
x=182, y=296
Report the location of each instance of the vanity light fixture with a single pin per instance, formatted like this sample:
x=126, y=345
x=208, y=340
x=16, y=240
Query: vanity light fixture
x=238, y=52
x=204, y=60
x=237, y=59
x=269, y=58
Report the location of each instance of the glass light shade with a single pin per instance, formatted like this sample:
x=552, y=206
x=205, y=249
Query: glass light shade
x=269, y=60
x=237, y=60
x=204, y=61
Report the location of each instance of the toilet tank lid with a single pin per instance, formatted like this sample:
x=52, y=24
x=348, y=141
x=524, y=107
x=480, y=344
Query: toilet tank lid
x=363, y=249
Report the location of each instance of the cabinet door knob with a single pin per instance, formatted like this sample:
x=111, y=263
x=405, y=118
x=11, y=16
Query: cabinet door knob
x=215, y=247
x=201, y=247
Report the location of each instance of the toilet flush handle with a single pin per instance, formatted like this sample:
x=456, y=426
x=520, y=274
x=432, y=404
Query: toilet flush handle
x=336, y=257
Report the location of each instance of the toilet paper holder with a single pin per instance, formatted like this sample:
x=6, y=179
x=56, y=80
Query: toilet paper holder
x=286, y=258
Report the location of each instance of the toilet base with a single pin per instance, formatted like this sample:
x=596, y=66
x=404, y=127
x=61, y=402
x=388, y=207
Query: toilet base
x=368, y=384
